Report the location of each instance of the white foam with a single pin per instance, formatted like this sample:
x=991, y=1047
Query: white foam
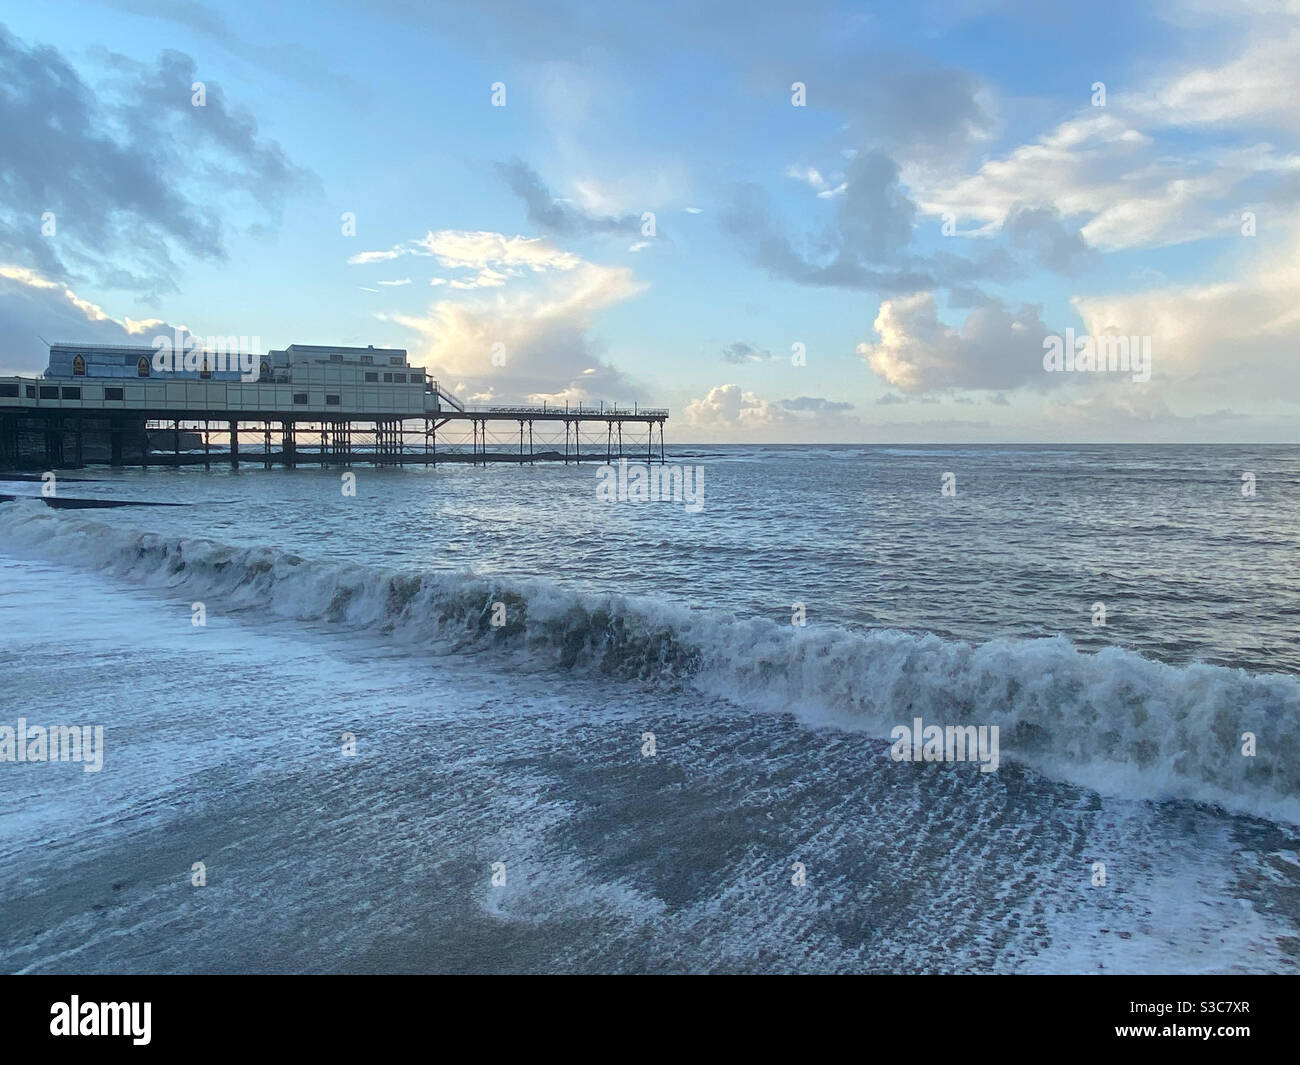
x=1114, y=721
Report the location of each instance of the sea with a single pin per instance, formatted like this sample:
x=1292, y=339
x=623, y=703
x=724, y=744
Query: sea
x=480, y=719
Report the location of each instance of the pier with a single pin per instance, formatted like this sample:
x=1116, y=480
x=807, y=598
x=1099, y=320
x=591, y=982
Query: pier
x=623, y=431
x=305, y=406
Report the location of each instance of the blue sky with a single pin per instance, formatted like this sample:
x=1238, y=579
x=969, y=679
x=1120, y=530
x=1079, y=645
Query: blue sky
x=775, y=225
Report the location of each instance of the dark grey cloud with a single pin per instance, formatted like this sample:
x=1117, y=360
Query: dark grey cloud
x=862, y=249
x=964, y=297
x=875, y=216
x=865, y=246
x=1042, y=232
x=562, y=218
x=814, y=404
x=134, y=174
x=990, y=263
x=741, y=353
x=285, y=58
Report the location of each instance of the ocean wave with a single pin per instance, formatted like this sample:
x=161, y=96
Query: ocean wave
x=1113, y=720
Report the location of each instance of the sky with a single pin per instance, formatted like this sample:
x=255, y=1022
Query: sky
x=812, y=222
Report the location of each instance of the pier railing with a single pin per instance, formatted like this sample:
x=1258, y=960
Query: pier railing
x=601, y=410
x=443, y=394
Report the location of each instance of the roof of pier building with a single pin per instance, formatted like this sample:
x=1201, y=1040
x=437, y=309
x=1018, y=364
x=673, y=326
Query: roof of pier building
x=297, y=354
x=137, y=360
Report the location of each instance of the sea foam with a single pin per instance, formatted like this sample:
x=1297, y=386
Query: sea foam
x=1114, y=721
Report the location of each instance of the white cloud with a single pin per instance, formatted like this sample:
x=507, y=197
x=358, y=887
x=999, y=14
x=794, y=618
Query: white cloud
x=729, y=407
x=1236, y=339
x=494, y=257
x=365, y=257
x=468, y=249
x=542, y=324
x=730, y=410
x=27, y=277
x=1095, y=165
x=812, y=177
x=994, y=349
x=1259, y=86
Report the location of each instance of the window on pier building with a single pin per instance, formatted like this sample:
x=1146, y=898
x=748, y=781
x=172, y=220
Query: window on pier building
x=205, y=371
x=264, y=374
x=142, y=367
x=367, y=360
x=78, y=366
x=396, y=360
x=372, y=377
x=331, y=401
x=300, y=397
x=112, y=393
x=71, y=392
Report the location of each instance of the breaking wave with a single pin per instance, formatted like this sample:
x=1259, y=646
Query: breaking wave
x=1114, y=720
